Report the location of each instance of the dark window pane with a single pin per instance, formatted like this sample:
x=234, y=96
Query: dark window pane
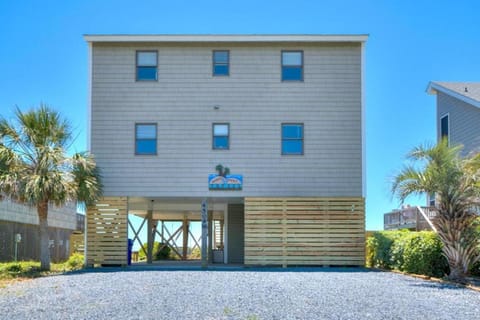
x=220, y=70
x=292, y=146
x=146, y=73
x=292, y=131
x=292, y=73
x=444, y=127
x=220, y=56
x=146, y=147
x=220, y=142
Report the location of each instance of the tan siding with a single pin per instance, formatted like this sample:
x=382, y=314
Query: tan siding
x=255, y=103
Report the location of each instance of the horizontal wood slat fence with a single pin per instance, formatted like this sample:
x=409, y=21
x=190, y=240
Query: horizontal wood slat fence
x=305, y=231
x=107, y=232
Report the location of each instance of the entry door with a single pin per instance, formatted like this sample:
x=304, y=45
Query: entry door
x=236, y=233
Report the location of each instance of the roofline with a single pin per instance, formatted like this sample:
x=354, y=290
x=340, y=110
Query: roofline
x=225, y=38
x=433, y=87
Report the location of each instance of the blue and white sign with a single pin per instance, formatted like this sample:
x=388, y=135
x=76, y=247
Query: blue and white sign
x=228, y=182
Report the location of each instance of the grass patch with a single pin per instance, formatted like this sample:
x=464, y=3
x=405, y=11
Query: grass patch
x=24, y=270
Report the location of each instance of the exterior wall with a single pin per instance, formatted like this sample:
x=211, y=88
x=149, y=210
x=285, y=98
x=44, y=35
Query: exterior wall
x=65, y=217
x=464, y=122
x=255, y=102
x=236, y=233
x=305, y=231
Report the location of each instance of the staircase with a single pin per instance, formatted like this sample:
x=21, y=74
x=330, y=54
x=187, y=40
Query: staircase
x=217, y=234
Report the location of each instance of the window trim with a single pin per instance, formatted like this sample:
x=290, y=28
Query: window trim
x=227, y=64
x=156, y=138
x=213, y=135
x=302, y=139
x=302, y=65
x=447, y=115
x=136, y=66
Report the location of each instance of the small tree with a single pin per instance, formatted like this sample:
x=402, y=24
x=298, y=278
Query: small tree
x=456, y=182
x=35, y=169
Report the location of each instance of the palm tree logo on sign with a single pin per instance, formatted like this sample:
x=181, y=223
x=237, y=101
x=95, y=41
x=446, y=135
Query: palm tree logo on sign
x=223, y=180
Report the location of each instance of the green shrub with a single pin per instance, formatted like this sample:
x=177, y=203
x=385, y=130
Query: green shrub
x=75, y=262
x=475, y=269
x=14, y=267
x=413, y=252
x=419, y=253
x=157, y=254
x=162, y=252
x=379, y=246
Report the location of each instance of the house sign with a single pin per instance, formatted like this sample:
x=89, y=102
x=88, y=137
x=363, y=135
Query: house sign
x=229, y=182
x=223, y=180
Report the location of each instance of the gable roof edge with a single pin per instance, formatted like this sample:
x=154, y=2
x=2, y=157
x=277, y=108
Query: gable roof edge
x=433, y=87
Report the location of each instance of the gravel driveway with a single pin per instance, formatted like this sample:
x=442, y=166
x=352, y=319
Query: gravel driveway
x=301, y=293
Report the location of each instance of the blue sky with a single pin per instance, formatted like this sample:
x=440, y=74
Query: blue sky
x=43, y=58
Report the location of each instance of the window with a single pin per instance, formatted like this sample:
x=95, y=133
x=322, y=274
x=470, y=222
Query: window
x=146, y=138
x=431, y=199
x=292, y=138
x=221, y=63
x=444, y=127
x=221, y=136
x=292, y=65
x=146, y=65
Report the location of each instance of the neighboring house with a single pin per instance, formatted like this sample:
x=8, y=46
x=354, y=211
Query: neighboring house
x=285, y=114
x=457, y=119
x=409, y=217
x=458, y=115
x=20, y=219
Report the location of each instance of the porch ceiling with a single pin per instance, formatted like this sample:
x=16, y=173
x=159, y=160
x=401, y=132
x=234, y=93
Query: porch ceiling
x=179, y=208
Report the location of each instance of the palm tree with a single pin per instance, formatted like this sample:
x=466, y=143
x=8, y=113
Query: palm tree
x=456, y=182
x=35, y=169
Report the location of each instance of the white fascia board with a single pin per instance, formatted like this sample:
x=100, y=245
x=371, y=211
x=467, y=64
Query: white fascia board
x=434, y=87
x=225, y=38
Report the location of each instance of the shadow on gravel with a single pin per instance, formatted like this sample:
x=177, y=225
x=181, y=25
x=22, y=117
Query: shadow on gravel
x=223, y=269
x=436, y=285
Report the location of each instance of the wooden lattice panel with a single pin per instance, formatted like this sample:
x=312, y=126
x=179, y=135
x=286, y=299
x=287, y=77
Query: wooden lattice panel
x=305, y=231
x=107, y=232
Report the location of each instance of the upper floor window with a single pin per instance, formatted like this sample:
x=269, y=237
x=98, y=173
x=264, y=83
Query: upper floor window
x=292, y=138
x=431, y=199
x=221, y=136
x=221, y=63
x=147, y=65
x=444, y=127
x=292, y=65
x=146, y=138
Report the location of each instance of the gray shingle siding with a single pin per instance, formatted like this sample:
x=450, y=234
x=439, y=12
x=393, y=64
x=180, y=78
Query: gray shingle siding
x=255, y=102
x=464, y=122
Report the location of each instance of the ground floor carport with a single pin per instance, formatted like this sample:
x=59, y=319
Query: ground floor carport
x=252, y=230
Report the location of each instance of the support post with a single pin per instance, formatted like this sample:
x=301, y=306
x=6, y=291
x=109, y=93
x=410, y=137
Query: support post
x=185, y=238
x=210, y=236
x=162, y=233
x=204, y=214
x=149, y=234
